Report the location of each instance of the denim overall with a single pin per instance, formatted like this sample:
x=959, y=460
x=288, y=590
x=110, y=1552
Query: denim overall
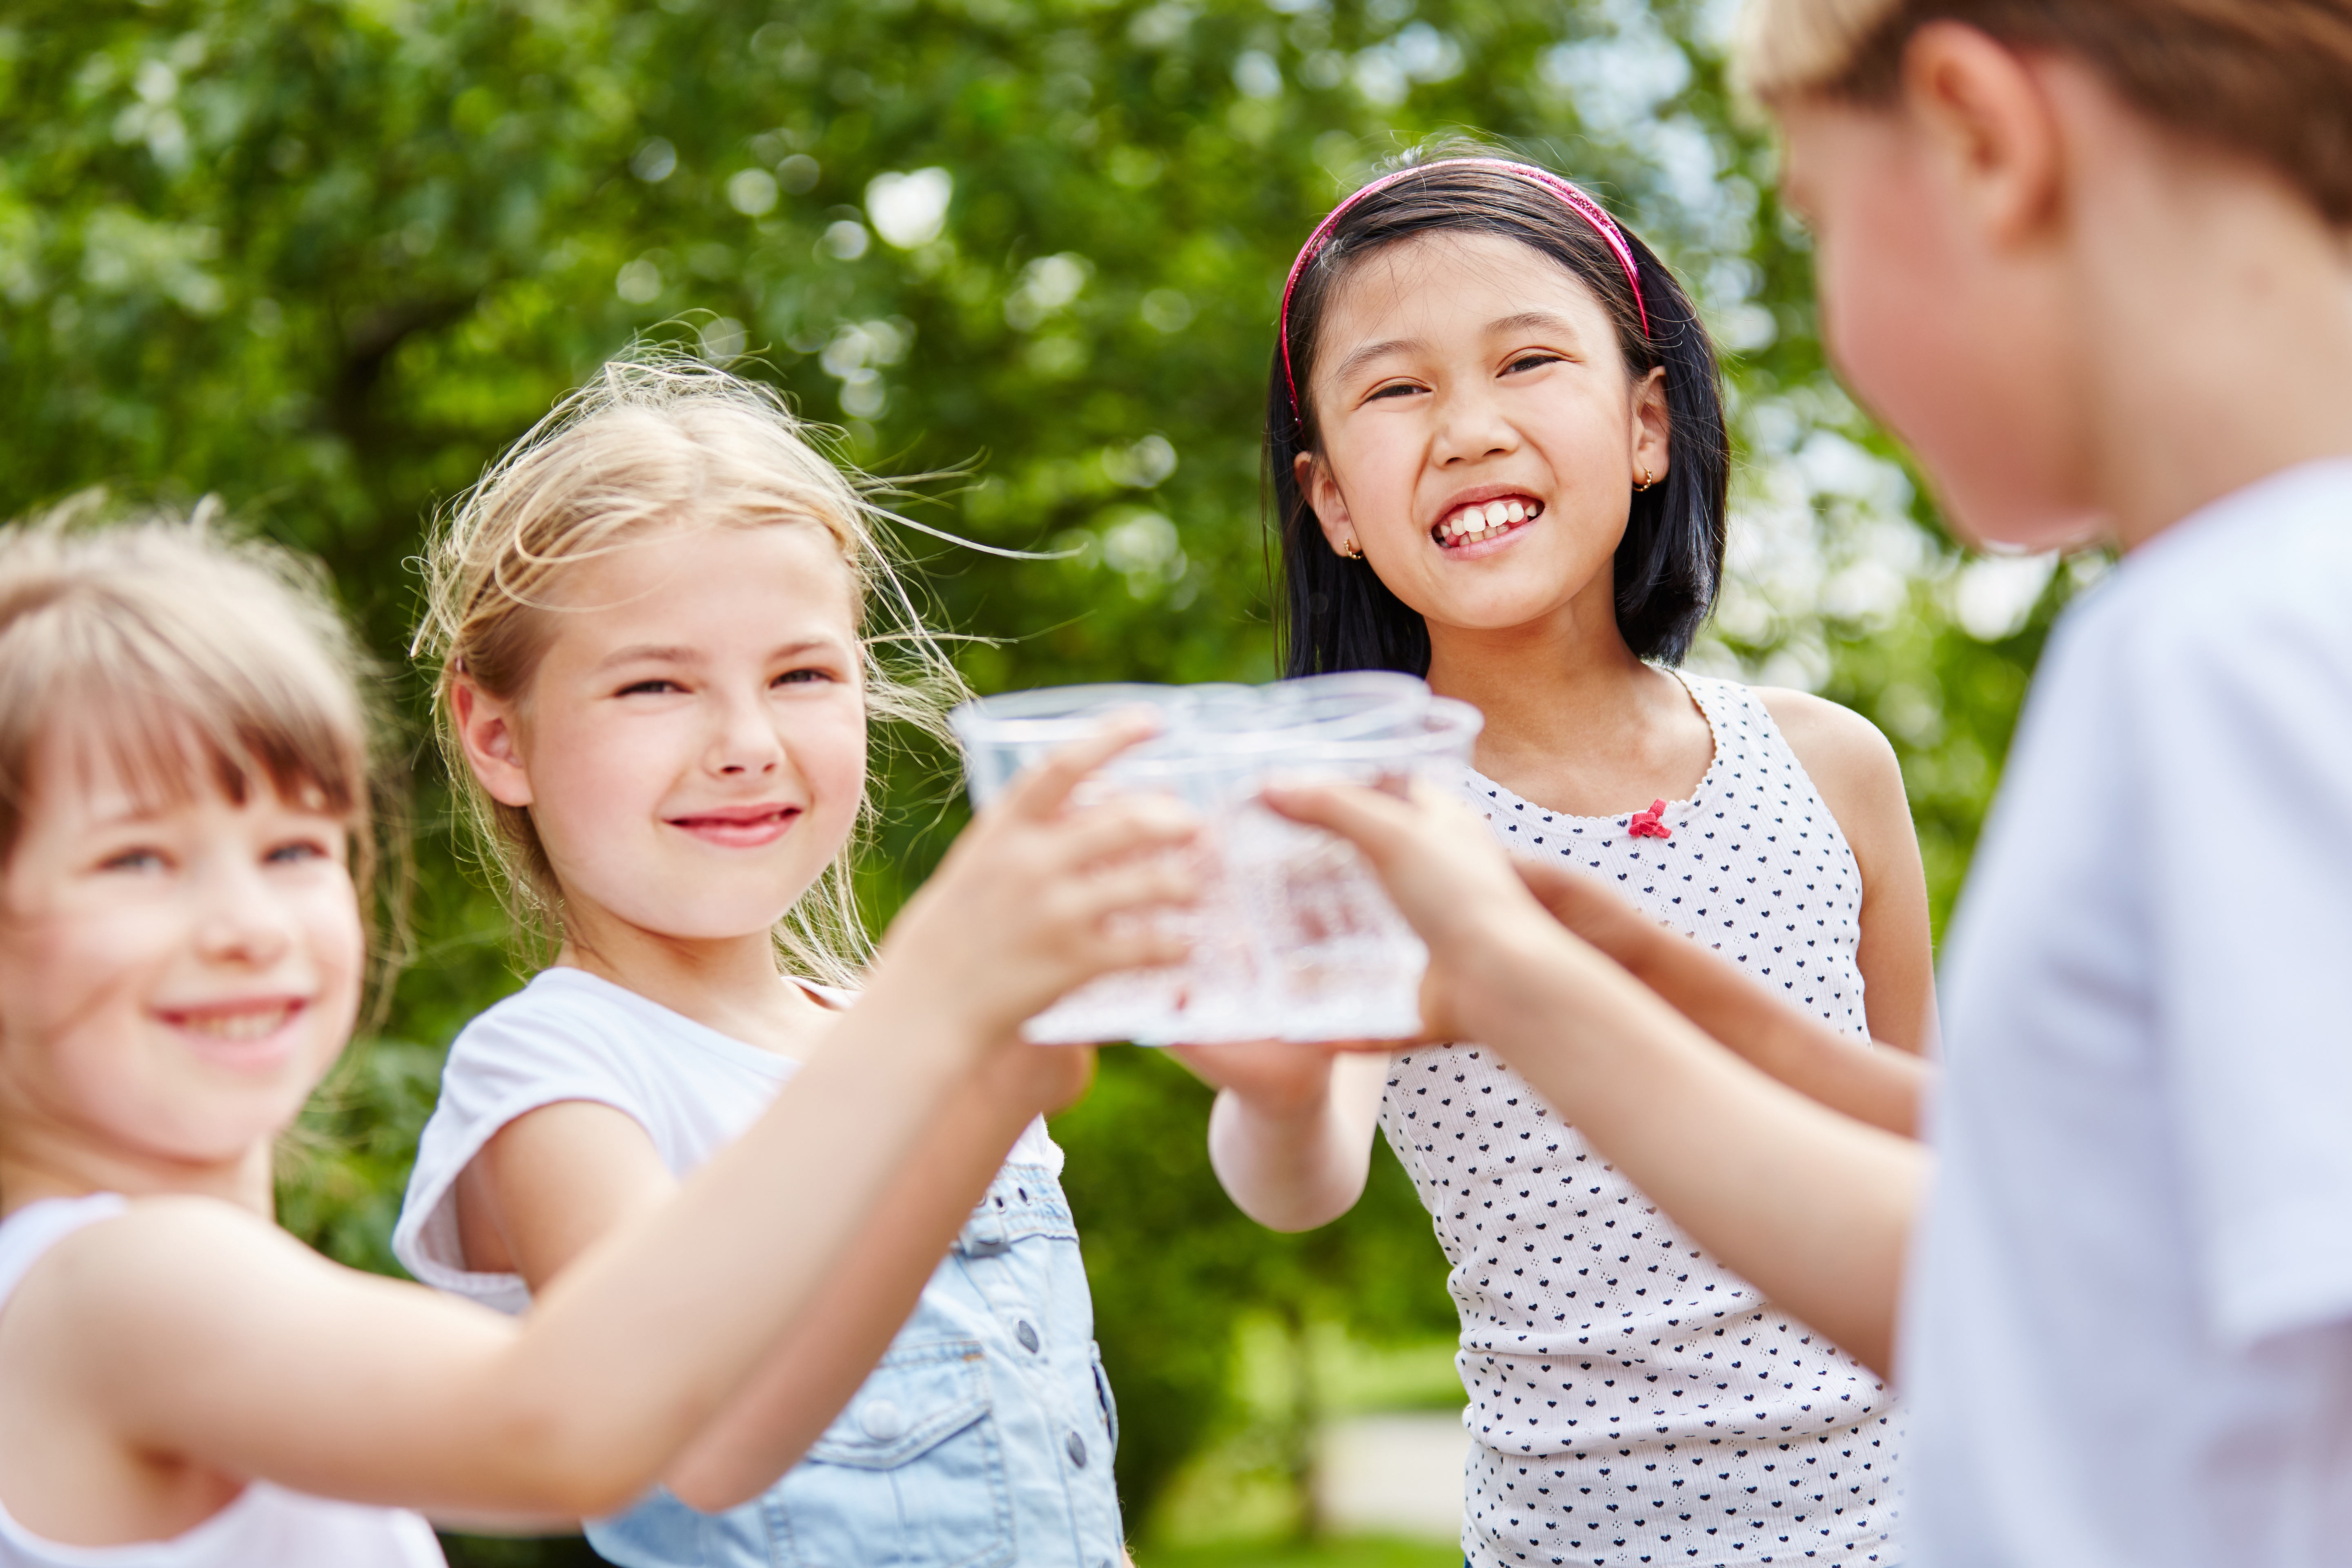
x=983, y=1437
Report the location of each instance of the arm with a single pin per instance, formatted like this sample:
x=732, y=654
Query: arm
x=1858, y=778
x=1813, y=1206
x=557, y=1180
x=190, y=1331
x=1291, y=1134
x=1876, y=1084
x=822, y=1360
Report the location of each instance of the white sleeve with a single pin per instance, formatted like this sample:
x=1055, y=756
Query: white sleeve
x=529, y=1052
x=2245, y=710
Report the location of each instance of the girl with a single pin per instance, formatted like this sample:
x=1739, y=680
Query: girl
x=654, y=689
x=2102, y=297
x=1499, y=458
x=184, y=821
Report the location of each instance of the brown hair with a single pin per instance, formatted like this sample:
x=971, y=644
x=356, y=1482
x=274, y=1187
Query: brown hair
x=654, y=440
x=194, y=658
x=2269, y=79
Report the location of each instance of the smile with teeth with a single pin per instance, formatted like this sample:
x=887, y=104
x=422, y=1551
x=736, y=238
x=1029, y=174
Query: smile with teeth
x=237, y=1024
x=1486, y=519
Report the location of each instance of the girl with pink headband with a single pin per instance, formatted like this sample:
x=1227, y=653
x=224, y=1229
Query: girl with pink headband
x=1495, y=446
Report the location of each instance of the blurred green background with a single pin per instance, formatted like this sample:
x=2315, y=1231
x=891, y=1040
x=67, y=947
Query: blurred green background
x=325, y=259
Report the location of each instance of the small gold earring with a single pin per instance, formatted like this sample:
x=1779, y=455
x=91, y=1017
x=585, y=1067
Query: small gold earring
x=1352, y=551
x=1646, y=480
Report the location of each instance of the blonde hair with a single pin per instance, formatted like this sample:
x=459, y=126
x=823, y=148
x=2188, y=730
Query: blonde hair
x=2267, y=79
x=1789, y=47
x=193, y=657
x=654, y=440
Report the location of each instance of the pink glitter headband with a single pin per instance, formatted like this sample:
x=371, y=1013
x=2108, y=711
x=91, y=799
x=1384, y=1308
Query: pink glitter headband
x=1576, y=201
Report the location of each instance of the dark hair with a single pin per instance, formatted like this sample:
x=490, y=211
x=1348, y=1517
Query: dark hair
x=1337, y=614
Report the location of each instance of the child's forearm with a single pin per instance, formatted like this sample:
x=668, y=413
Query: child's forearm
x=810, y=1373
x=1873, y=1084
x=1870, y=1082
x=272, y=1363
x=748, y=1243
x=1813, y=1206
x=1299, y=1168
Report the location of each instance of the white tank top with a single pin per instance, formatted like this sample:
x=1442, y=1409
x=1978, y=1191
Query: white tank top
x=265, y=1527
x=1631, y=1400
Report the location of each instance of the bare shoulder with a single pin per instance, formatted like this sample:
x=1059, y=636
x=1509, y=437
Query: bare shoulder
x=1849, y=761
x=162, y=1259
x=1835, y=743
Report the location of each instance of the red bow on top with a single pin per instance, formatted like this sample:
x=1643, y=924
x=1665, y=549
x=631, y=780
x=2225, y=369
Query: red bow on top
x=1645, y=824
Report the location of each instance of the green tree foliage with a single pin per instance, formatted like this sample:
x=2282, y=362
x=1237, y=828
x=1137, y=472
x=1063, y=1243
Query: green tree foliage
x=325, y=258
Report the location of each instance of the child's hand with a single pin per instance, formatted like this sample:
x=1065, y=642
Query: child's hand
x=1278, y=1077
x=1586, y=907
x=1042, y=894
x=1038, y=1079
x=1443, y=868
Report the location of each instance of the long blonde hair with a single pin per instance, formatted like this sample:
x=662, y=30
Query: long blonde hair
x=656, y=440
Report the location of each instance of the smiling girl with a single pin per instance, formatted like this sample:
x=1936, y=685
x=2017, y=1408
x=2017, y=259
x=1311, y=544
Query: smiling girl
x=1498, y=460
x=655, y=680
x=185, y=817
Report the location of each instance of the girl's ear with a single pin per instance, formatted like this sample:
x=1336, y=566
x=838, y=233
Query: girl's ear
x=486, y=732
x=1652, y=424
x=1322, y=493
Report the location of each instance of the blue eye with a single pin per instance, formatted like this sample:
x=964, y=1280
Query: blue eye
x=135, y=861
x=804, y=676
x=653, y=688
x=299, y=850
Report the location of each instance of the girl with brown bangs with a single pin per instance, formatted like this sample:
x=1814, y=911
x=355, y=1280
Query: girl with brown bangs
x=186, y=799
x=2093, y=259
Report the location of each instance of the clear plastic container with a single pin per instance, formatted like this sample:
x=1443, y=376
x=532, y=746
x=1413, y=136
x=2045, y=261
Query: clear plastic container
x=1292, y=937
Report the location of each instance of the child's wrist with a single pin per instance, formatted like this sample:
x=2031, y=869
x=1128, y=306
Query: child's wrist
x=1507, y=962
x=932, y=1032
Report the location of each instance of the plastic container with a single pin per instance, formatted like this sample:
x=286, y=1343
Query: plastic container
x=1294, y=938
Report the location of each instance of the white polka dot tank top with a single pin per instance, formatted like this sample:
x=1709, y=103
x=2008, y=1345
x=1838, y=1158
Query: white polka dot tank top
x=1631, y=1400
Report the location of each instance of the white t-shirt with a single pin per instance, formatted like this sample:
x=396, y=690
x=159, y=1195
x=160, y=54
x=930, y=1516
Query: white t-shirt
x=2128, y=1331
x=264, y=1526
x=570, y=1036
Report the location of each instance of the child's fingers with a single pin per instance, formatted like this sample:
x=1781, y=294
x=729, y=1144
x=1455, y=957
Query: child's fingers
x=1124, y=826
x=1158, y=882
x=1374, y=821
x=1136, y=944
x=1041, y=790
x=1585, y=907
x=1437, y=859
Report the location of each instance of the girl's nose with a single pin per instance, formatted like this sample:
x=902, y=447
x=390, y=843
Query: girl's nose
x=243, y=918
x=747, y=744
x=1471, y=425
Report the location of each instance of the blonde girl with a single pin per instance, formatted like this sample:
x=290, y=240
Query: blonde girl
x=2094, y=261
x=185, y=811
x=655, y=676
